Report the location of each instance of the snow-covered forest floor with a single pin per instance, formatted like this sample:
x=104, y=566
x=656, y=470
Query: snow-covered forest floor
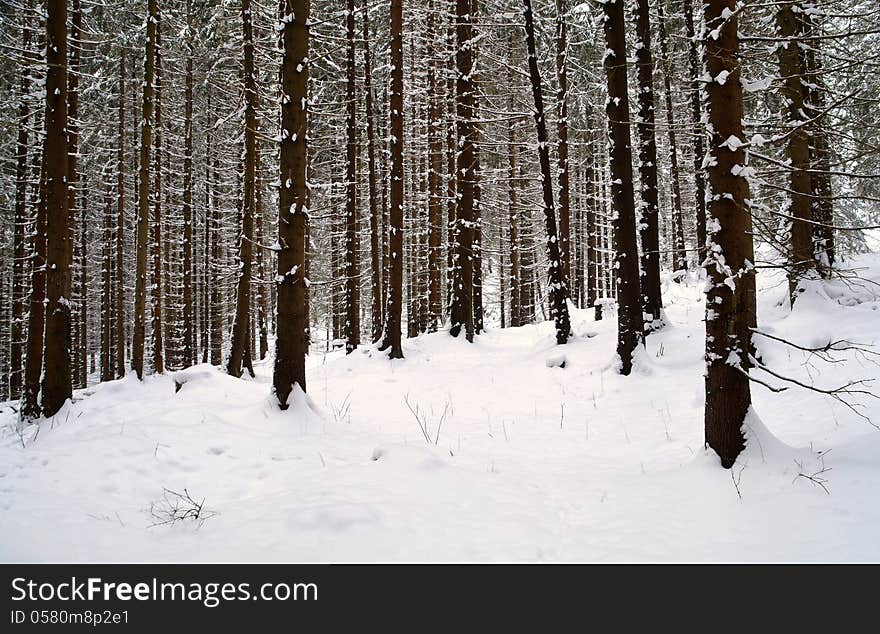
x=518, y=460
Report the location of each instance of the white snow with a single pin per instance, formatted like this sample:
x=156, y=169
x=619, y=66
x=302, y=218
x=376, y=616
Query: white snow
x=532, y=461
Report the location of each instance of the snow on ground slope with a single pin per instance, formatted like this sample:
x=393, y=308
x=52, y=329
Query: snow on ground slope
x=531, y=461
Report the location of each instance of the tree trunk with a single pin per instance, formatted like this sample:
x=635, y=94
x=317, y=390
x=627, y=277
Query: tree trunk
x=696, y=130
x=37, y=306
x=119, y=299
x=261, y=267
x=189, y=315
x=107, y=281
x=462, y=314
x=156, y=244
x=562, y=133
x=290, y=367
x=823, y=203
x=435, y=170
x=19, y=275
x=513, y=221
x=795, y=94
x=56, y=385
x=352, y=239
x=679, y=253
x=558, y=289
x=239, y=354
x=728, y=337
x=82, y=370
x=140, y=289
x=375, y=241
x=451, y=128
x=648, y=218
x=72, y=129
x=630, y=322
x=393, y=313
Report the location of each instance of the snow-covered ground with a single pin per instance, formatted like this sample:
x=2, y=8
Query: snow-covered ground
x=531, y=462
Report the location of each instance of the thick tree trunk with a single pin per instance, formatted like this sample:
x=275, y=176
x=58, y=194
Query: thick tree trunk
x=630, y=322
x=56, y=385
x=462, y=313
x=290, y=367
x=649, y=230
x=558, y=289
x=393, y=313
x=728, y=337
x=142, y=226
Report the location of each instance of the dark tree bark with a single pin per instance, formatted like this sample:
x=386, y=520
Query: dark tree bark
x=649, y=230
x=375, y=246
x=558, y=289
x=290, y=367
x=56, y=385
x=728, y=313
x=462, y=312
x=393, y=313
x=795, y=94
x=142, y=226
x=352, y=239
x=630, y=322
x=239, y=354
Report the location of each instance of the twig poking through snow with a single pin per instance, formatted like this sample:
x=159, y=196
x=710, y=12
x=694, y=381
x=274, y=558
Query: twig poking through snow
x=178, y=507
